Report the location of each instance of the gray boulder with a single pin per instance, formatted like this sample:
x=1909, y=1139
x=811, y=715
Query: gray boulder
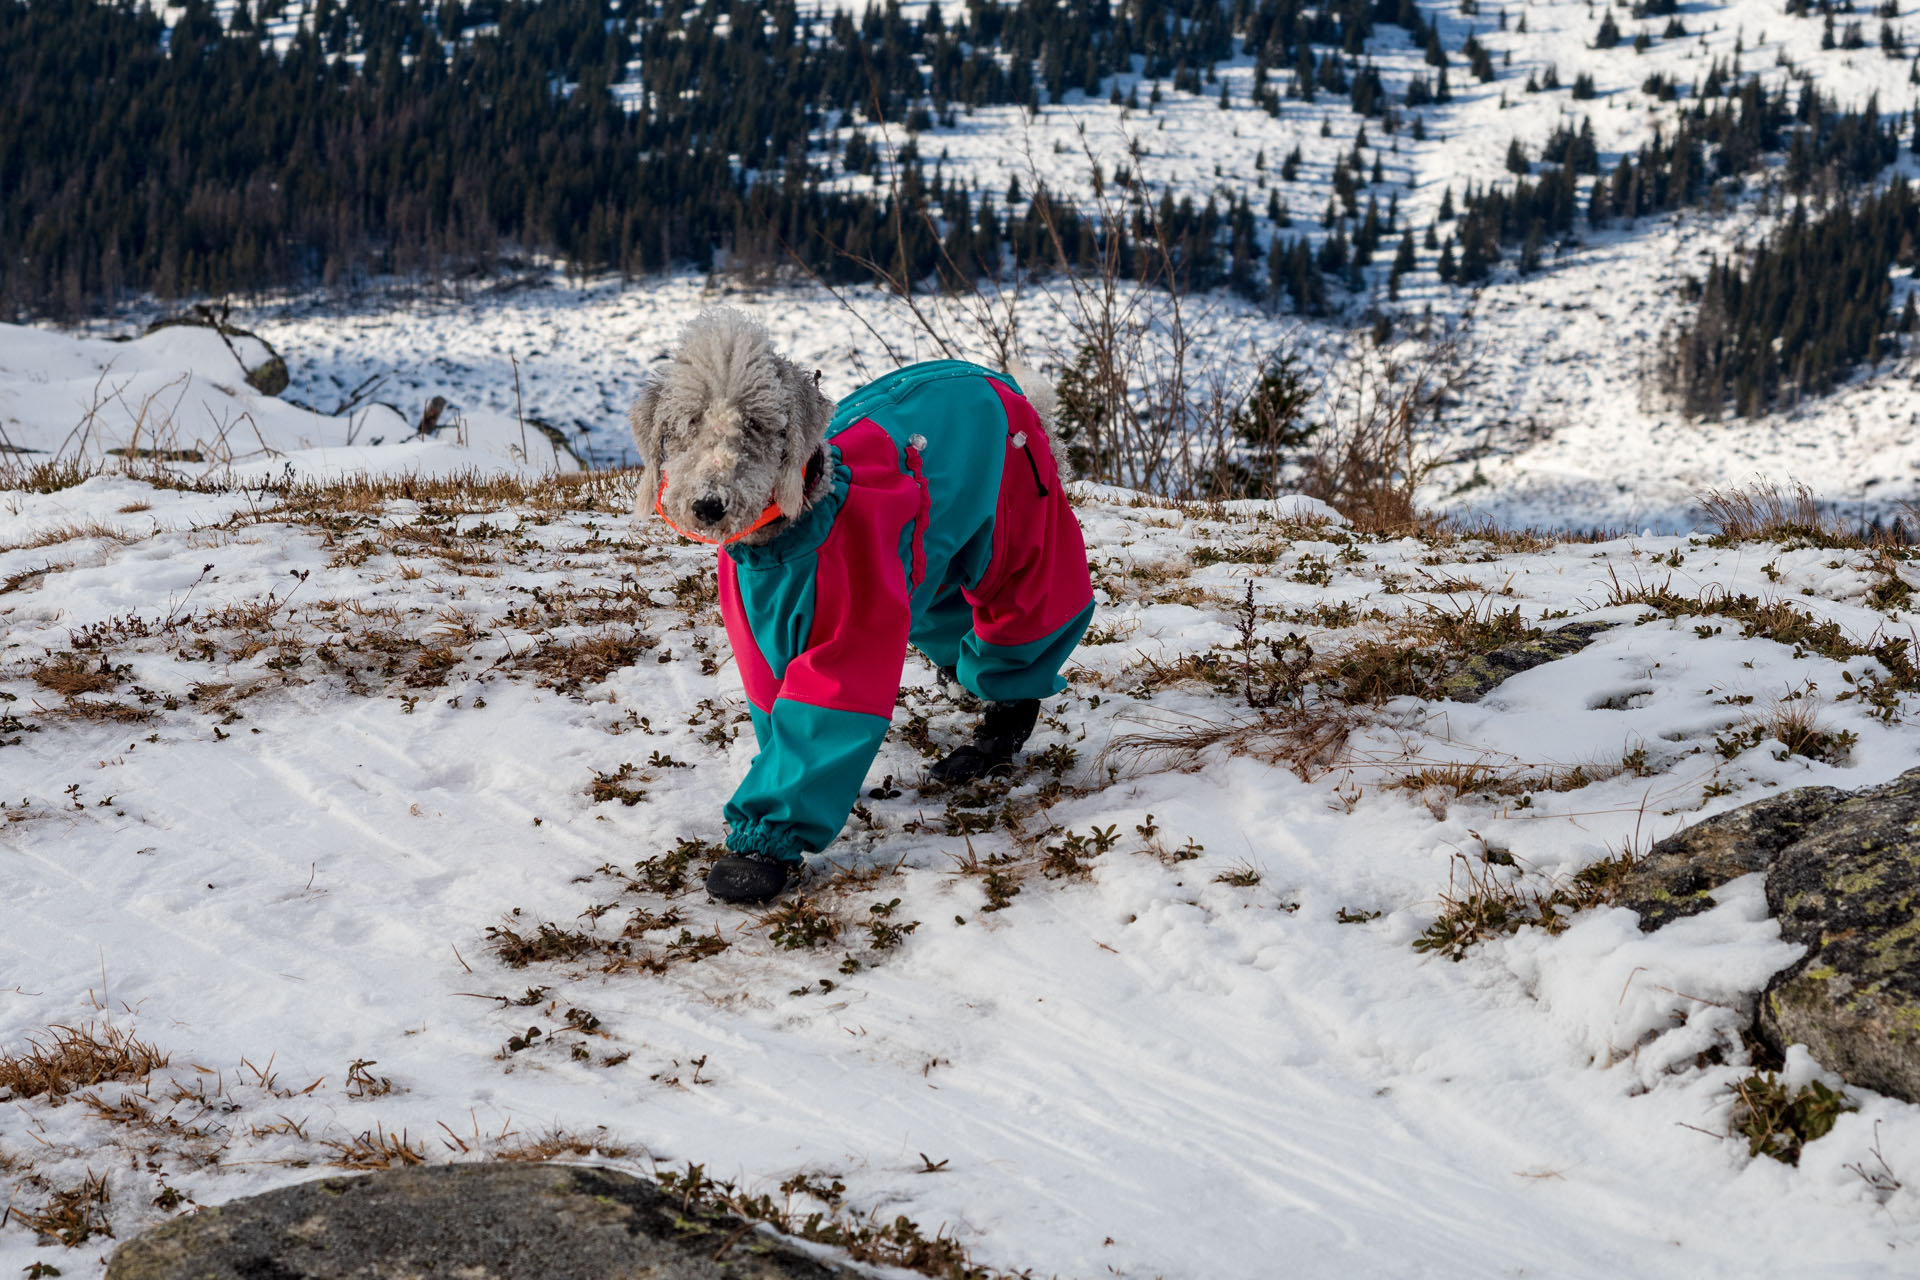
x=1843, y=878
x=1850, y=891
x=475, y=1221
x=1677, y=877
x=264, y=368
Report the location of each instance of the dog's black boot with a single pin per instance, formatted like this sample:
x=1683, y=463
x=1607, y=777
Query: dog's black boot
x=748, y=877
x=1001, y=733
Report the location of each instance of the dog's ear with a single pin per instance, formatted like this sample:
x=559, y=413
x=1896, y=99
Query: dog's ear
x=808, y=413
x=646, y=438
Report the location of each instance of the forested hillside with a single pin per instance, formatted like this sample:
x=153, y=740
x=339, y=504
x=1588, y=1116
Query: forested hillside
x=409, y=138
x=286, y=144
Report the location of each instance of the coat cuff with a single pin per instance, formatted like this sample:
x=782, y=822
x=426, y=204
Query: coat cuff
x=766, y=839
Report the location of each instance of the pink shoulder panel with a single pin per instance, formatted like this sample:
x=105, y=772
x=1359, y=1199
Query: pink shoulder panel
x=861, y=609
x=1038, y=581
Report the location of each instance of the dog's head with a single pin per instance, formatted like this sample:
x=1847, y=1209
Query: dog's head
x=729, y=427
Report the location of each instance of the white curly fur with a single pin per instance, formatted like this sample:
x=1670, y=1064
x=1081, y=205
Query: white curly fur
x=1040, y=393
x=731, y=424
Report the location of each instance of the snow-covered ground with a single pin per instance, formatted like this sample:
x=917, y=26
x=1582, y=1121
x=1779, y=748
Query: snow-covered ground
x=310, y=749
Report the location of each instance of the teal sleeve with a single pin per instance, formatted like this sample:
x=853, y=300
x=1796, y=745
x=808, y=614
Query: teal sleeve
x=805, y=780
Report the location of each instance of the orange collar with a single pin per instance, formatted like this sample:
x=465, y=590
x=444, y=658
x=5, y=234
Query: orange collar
x=767, y=517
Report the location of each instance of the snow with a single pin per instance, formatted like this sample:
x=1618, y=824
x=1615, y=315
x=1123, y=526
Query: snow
x=179, y=395
x=292, y=863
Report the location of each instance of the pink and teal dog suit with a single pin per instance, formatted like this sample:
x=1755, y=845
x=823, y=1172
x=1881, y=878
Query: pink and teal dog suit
x=946, y=528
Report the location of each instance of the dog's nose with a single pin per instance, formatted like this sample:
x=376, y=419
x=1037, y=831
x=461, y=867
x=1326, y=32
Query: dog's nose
x=709, y=510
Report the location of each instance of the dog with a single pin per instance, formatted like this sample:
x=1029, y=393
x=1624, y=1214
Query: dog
x=925, y=509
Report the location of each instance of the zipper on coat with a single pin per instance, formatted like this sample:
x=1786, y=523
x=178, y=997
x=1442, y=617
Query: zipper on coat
x=917, y=573
x=1020, y=443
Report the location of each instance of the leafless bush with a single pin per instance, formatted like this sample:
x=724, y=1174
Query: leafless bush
x=1146, y=402
x=1377, y=444
x=1159, y=390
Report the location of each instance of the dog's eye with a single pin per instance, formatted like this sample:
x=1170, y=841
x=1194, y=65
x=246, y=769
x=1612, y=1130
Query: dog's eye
x=753, y=426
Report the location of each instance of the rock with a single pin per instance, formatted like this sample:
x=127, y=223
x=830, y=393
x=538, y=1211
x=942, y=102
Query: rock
x=1677, y=876
x=1850, y=891
x=430, y=416
x=269, y=378
x=1481, y=674
x=475, y=1221
x=1843, y=878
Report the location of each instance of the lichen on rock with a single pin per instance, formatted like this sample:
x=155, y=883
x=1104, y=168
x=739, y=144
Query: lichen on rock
x=1678, y=875
x=1480, y=674
x=1850, y=891
x=1843, y=879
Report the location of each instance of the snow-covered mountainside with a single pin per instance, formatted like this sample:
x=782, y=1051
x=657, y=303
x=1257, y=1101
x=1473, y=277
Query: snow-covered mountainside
x=1563, y=424
x=379, y=811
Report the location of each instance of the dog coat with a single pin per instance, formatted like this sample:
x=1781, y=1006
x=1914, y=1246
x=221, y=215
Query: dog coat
x=946, y=527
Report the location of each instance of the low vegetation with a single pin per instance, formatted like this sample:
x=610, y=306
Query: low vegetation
x=814, y=1209
x=1488, y=899
x=1779, y=1121
x=64, y=1059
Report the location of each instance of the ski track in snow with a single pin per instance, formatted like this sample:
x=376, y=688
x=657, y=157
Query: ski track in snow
x=1221, y=1080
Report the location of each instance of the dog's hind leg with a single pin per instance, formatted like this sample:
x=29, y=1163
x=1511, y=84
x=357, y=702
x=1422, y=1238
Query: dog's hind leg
x=996, y=740
x=1029, y=608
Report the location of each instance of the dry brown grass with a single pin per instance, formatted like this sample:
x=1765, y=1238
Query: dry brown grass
x=1309, y=740
x=567, y=665
x=95, y=712
x=1794, y=722
x=63, y=1059
x=27, y=578
x=1765, y=511
x=70, y=675
x=1511, y=778
x=72, y=532
x=72, y=1216
x=375, y=1149
x=557, y=1144
x=49, y=476
x=460, y=493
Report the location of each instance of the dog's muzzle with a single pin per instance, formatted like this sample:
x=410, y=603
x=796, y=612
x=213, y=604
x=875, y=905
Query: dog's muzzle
x=767, y=517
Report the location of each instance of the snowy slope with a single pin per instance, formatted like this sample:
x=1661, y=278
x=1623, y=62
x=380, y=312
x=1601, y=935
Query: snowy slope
x=1558, y=429
x=1561, y=425
x=342, y=734
x=179, y=397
